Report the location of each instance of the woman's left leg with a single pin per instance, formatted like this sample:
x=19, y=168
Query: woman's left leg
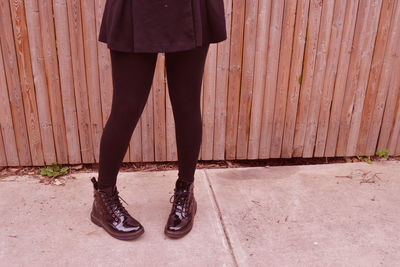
x=185, y=71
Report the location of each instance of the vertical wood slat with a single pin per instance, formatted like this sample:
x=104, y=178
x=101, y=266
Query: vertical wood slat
x=358, y=75
x=394, y=140
x=390, y=124
x=22, y=97
x=172, y=152
x=318, y=77
x=366, y=58
x=3, y=158
x=391, y=120
x=92, y=72
x=147, y=129
x=271, y=77
x=9, y=152
x=104, y=62
x=208, y=109
x=80, y=85
x=66, y=80
x=135, y=144
x=307, y=80
x=285, y=58
x=5, y=119
x=40, y=79
x=159, y=95
x=221, y=87
x=235, y=67
x=352, y=77
x=378, y=83
x=340, y=82
x=247, y=75
x=260, y=66
x=53, y=80
x=330, y=76
x=295, y=80
x=201, y=112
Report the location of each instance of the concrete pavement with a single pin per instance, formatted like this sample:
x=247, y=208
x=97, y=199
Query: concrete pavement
x=344, y=214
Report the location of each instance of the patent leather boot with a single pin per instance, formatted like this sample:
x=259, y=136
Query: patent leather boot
x=108, y=212
x=184, y=206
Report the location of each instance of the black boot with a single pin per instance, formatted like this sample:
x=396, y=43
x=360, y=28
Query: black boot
x=180, y=220
x=108, y=212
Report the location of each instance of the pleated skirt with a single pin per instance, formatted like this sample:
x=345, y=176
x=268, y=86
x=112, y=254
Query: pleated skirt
x=162, y=25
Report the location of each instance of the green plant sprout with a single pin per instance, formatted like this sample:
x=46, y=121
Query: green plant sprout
x=365, y=159
x=54, y=170
x=383, y=153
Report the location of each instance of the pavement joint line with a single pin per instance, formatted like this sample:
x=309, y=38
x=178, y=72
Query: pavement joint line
x=221, y=220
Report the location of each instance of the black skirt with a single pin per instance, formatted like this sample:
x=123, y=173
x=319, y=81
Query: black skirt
x=162, y=25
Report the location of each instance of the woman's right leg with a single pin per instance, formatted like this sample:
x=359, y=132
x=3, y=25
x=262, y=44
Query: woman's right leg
x=132, y=75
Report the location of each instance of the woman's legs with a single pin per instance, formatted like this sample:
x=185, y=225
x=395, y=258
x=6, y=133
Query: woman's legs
x=185, y=71
x=132, y=75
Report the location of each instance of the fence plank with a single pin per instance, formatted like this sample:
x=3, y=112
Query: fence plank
x=92, y=73
x=392, y=107
x=159, y=110
x=18, y=66
x=66, y=80
x=39, y=74
x=340, y=83
x=51, y=64
x=285, y=59
x=208, y=104
x=308, y=72
x=221, y=87
x=295, y=78
x=80, y=86
x=381, y=70
x=318, y=77
x=390, y=125
x=330, y=75
x=3, y=161
x=366, y=57
x=394, y=148
x=247, y=75
x=8, y=150
x=147, y=129
x=260, y=67
x=172, y=153
x=135, y=144
x=271, y=77
x=235, y=67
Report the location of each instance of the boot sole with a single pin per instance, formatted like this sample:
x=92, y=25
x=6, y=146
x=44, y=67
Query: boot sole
x=178, y=234
x=115, y=235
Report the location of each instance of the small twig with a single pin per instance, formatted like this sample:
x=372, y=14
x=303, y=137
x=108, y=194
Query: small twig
x=344, y=176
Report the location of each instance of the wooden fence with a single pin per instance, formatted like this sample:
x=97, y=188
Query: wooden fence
x=306, y=78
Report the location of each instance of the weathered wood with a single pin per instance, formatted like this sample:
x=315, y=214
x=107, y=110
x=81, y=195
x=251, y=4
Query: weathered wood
x=260, y=67
x=306, y=78
x=274, y=43
x=340, y=83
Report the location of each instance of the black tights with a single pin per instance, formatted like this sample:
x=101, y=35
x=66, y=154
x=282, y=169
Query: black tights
x=132, y=75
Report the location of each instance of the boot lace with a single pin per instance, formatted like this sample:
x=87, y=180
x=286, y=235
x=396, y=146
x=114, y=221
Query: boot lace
x=114, y=201
x=179, y=200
